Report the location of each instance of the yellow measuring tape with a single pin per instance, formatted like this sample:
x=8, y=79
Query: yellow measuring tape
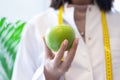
x=107, y=47
x=60, y=15
x=106, y=42
x=60, y=20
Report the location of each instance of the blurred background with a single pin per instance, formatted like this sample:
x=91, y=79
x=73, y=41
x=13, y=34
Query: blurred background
x=22, y=9
x=25, y=9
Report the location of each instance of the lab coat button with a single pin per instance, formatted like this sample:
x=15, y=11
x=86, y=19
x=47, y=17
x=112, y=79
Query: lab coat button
x=89, y=38
x=89, y=9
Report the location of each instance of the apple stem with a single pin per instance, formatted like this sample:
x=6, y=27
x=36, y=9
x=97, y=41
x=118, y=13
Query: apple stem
x=60, y=15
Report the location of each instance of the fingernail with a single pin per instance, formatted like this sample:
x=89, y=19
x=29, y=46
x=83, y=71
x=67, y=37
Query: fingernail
x=43, y=36
x=65, y=42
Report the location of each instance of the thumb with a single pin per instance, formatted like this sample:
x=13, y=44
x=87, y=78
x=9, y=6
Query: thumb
x=48, y=52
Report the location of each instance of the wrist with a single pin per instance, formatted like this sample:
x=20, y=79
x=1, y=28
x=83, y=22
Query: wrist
x=50, y=76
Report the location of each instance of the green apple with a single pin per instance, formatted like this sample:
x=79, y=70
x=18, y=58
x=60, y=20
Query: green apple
x=56, y=35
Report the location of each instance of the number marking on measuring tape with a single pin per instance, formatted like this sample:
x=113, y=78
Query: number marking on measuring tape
x=107, y=47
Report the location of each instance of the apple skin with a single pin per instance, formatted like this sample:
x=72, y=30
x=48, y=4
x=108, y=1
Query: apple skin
x=56, y=35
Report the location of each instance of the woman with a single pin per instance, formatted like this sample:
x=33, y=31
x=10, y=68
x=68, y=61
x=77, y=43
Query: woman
x=86, y=59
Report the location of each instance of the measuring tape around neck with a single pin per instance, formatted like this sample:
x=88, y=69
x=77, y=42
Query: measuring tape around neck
x=107, y=47
x=60, y=15
x=106, y=42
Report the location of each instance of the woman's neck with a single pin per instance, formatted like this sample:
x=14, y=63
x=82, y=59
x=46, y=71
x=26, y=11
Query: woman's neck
x=81, y=5
x=82, y=2
x=81, y=8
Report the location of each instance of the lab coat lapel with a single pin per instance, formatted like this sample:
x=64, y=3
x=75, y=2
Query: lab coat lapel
x=82, y=60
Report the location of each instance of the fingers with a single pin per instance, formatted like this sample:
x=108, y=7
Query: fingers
x=61, y=51
x=70, y=55
x=48, y=52
x=56, y=60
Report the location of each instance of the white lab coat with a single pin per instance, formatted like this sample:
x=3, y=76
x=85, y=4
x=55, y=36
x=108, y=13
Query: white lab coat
x=89, y=62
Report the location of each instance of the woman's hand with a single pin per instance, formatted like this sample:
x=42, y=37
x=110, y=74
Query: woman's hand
x=54, y=67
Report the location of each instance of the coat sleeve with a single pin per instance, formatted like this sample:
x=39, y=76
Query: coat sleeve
x=29, y=60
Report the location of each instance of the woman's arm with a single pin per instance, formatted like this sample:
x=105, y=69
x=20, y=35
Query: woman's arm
x=29, y=58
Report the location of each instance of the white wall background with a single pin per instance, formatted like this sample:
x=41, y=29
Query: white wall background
x=22, y=9
x=117, y=4
x=25, y=9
